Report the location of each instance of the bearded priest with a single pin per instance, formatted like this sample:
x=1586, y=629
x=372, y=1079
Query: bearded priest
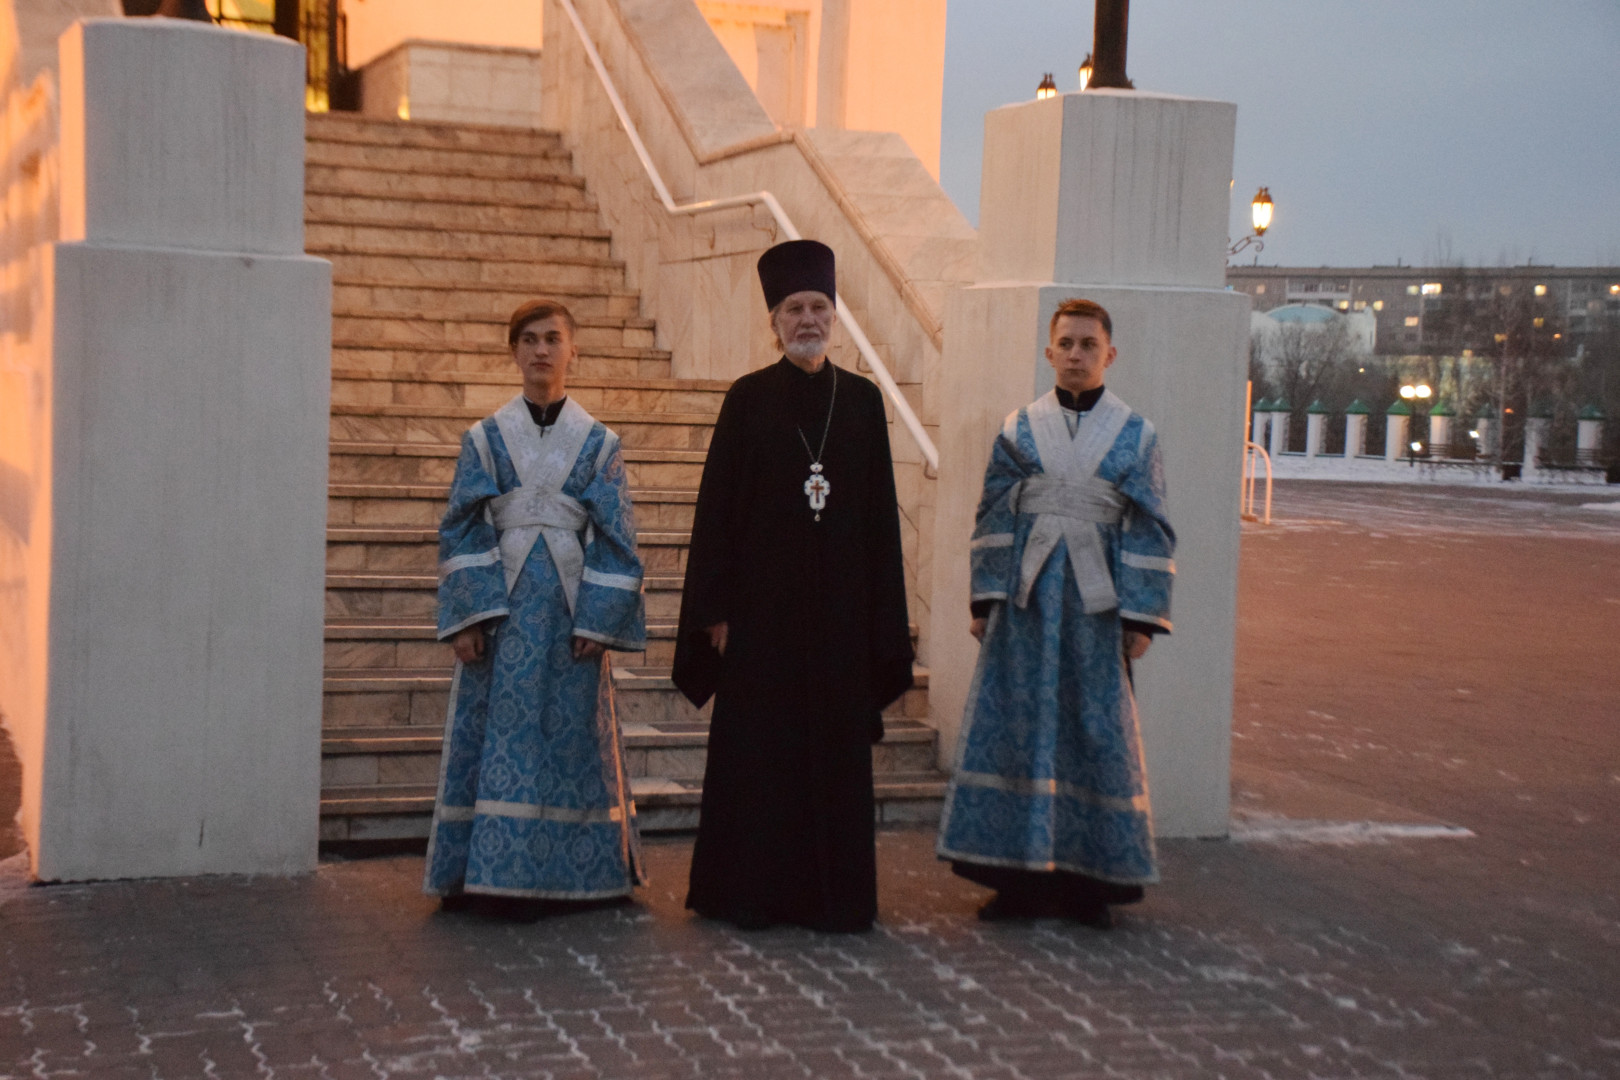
x=794, y=620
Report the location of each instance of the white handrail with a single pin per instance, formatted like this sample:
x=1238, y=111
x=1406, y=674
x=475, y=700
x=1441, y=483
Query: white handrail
x=902, y=407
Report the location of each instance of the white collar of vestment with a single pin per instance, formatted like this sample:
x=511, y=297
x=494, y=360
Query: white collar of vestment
x=1079, y=455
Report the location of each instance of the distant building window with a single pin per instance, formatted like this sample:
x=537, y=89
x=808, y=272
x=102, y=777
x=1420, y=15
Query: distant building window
x=1541, y=290
x=1344, y=305
x=1506, y=290
x=1361, y=305
x=1260, y=289
x=1431, y=288
x=1411, y=320
x=1411, y=290
x=1378, y=305
x=1614, y=290
x=1540, y=322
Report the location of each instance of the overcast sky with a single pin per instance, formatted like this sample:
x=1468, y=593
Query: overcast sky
x=1385, y=129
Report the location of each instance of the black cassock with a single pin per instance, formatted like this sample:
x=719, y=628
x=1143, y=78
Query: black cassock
x=818, y=645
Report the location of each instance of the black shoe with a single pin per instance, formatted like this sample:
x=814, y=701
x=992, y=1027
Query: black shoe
x=1004, y=908
x=1095, y=915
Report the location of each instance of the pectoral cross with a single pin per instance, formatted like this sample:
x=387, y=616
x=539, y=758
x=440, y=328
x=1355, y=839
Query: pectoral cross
x=817, y=488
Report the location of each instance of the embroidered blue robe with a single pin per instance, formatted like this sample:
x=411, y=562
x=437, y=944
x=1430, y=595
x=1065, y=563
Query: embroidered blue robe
x=539, y=545
x=1071, y=537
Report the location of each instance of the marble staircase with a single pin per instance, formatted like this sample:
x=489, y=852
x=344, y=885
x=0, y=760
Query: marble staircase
x=435, y=233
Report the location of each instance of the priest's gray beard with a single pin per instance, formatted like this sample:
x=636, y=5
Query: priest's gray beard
x=805, y=350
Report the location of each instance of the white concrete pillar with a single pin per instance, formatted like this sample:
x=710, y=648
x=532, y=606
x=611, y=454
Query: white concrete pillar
x=1485, y=440
x=1313, y=434
x=1398, y=424
x=1535, y=438
x=1260, y=421
x=188, y=416
x=1439, y=433
x=1355, y=434
x=1122, y=198
x=1589, y=434
x=1279, y=432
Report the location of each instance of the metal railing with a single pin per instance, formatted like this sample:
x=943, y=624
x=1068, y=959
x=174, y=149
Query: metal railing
x=1253, y=453
x=863, y=345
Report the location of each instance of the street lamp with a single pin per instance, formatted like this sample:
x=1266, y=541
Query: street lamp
x=1260, y=214
x=1416, y=392
x=1046, y=89
x=1086, y=70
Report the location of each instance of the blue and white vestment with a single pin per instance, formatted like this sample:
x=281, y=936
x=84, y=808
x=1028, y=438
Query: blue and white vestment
x=540, y=537
x=1071, y=537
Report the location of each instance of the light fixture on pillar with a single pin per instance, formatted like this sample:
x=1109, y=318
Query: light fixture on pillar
x=1108, y=38
x=1086, y=69
x=1047, y=89
x=1260, y=215
x=1262, y=211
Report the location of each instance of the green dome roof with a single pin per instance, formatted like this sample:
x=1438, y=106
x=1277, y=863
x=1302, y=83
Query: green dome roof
x=1541, y=410
x=1400, y=408
x=1357, y=408
x=1592, y=412
x=1281, y=405
x=1317, y=408
x=1443, y=409
x=1486, y=411
x=1263, y=405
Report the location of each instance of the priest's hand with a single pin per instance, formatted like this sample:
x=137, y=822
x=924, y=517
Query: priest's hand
x=468, y=645
x=717, y=636
x=1136, y=644
x=976, y=628
x=586, y=649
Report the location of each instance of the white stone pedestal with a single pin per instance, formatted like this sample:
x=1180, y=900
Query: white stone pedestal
x=1121, y=198
x=188, y=417
x=1355, y=435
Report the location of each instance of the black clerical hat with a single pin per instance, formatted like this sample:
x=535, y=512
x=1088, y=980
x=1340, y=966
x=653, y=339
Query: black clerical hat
x=797, y=266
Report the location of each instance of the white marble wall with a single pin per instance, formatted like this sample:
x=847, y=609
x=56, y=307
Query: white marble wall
x=1182, y=354
x=179, y=467
x=901, y=243
x=454, y=83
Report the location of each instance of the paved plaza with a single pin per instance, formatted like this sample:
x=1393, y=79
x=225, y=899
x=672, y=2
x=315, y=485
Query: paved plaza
x=1422, y=883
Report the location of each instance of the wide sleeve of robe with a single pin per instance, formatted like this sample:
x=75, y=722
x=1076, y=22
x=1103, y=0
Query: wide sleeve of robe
x=1145, y=569
x=472, y=583
x=994, y=571
x=609, y=607
x=705, y=599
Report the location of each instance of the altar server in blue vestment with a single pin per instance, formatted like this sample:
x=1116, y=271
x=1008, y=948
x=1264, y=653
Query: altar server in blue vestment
x=1071, y=572
x=538, y=575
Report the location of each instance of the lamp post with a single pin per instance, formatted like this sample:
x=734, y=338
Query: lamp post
x=1418, y=394
x=1087, y=69
x=1108, y=34
x=1260, y=208
x=1046, y=89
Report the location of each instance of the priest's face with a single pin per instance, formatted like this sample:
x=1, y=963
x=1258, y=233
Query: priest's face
x=543, y=352
x=803, y=324
x=1079, y=353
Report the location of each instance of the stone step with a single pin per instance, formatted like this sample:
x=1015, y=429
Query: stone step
x=663, y=805
x=446, y=423
x=459, y=243
x=491, y=390
x=475, y=298
x=554, y=218
x=507, y=164
x=423, y=504
x=366, y=757
x=660, y=652
x=558, y=189
x=593, y=363
x=354, y=128
x=537, y=277
x=384, y=549
x=441, y=331
x=425, y=463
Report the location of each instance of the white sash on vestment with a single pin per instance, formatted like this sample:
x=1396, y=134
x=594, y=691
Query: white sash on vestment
x=539, y=508
x=1068, y=499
